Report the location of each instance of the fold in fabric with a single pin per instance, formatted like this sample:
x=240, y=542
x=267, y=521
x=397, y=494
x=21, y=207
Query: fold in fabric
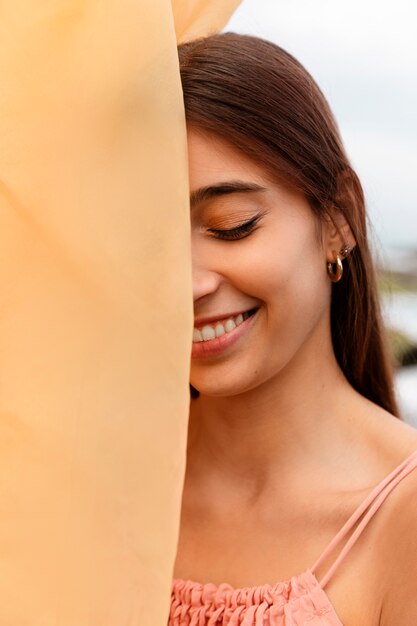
x=199, y=18
x=95, y=307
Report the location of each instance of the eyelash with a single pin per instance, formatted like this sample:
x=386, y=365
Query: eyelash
x=239, y=232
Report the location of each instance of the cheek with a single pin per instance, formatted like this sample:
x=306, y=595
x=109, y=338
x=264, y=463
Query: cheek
x=274, y=267
x=289, y=277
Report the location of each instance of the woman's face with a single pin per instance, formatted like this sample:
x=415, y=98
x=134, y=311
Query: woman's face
x=277, y=265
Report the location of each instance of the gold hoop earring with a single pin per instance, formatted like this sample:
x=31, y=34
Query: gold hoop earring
x=337, y=275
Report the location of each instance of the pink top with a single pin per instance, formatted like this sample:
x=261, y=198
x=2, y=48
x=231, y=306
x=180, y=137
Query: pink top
x=298, y=601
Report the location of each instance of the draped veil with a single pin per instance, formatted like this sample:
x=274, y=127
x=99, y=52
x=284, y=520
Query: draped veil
x=95, y=306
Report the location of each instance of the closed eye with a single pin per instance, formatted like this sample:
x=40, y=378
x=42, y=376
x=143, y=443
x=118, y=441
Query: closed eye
x=239, y=232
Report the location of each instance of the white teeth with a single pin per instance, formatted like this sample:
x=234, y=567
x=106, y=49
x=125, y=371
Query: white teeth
x=207, y=333
x=220, y=330
x=197, y=336
x=230, y=325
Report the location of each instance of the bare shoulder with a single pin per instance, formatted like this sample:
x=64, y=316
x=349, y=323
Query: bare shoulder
x=398, y=567
x=389, y=437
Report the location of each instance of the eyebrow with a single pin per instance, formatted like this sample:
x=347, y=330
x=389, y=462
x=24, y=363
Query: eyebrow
x=221, y=189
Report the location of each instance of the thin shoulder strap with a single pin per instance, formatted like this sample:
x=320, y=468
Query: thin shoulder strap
x=372, y=502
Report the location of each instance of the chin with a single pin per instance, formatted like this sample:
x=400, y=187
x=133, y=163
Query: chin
x=225, y=389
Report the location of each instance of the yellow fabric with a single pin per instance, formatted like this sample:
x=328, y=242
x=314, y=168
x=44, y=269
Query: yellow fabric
x=198, y=18
x=95, y=307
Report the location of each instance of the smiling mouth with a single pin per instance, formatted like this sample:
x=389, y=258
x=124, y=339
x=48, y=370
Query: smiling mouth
x=212, y=331
x=219, y=345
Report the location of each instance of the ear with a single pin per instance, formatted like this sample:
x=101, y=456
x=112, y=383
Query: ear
x=337, y=236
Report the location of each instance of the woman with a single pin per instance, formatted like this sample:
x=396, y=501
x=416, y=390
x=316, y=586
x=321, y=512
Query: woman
x=294, y=438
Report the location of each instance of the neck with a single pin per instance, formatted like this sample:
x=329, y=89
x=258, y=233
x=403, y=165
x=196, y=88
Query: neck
x=295, y=424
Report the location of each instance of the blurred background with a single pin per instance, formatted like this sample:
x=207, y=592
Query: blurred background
x=363, y=54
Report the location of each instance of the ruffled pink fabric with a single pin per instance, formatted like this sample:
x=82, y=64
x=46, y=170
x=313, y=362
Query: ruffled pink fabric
x=299, y=601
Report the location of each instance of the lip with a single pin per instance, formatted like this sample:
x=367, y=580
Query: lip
x=203, y=349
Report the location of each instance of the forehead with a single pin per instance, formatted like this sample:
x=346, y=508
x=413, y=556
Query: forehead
x=211, y=159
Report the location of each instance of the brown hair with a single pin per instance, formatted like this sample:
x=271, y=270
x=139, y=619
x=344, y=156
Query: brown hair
x=256, y=96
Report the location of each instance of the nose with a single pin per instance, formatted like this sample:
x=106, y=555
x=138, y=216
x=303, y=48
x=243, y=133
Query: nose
x=206, y=264
x=206, y=281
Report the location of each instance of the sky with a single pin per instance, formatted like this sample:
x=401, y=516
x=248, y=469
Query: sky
x=363, y=55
